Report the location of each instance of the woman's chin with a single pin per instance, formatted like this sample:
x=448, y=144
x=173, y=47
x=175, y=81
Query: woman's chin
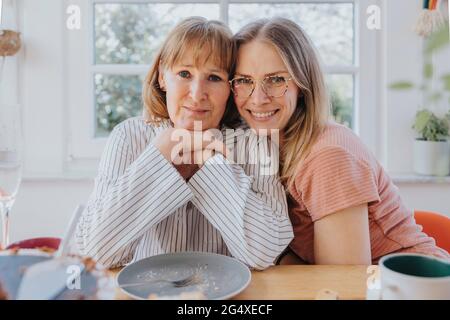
x=194, y=125
x=263, y=128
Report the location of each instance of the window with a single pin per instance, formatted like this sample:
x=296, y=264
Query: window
x=129, y=34
x=124, y=36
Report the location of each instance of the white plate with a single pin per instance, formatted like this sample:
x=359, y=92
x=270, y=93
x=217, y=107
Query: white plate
x=221, y=277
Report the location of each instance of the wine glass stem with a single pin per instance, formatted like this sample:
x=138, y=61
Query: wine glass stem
x=5, y=210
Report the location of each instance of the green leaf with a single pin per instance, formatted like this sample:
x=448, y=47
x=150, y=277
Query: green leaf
x=428, y=70
x=438, y=40
x=402, y=85
x=422, y=118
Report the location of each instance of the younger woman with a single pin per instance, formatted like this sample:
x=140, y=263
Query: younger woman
x=343, y=206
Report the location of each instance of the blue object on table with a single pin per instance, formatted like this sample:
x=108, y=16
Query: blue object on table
x=12, y=268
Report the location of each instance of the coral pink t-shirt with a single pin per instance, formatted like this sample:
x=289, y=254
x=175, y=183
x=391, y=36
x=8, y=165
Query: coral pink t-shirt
x=339, y=173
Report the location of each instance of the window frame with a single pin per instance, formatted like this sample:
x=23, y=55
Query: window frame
x=84, y=149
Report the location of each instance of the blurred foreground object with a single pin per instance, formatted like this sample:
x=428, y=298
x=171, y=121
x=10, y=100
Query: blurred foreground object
x=9, y=42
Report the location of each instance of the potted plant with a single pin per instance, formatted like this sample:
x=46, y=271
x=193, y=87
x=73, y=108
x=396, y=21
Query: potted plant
x=432, y=146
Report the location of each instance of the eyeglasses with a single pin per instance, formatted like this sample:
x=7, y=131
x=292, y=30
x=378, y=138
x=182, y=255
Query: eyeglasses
x=273, y=86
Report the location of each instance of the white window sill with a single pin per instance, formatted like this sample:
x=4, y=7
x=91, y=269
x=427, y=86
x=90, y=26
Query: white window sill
x=74, y=177
x=75, y=170
x=403, y=178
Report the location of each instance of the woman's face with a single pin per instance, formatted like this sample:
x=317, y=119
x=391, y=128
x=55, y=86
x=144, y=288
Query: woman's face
x=195, y=93
x=258, y=60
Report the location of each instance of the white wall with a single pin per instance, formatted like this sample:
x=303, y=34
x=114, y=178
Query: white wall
x=44, y=207
x=404, y=62
x=432, y=197
x=46, y=201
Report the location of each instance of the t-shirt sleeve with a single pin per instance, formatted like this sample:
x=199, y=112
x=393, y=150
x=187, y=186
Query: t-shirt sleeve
x=332, y=179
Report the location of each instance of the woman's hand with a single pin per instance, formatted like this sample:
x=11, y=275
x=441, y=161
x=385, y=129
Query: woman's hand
x=164, y=142
x=178, y=145
x=188, y=150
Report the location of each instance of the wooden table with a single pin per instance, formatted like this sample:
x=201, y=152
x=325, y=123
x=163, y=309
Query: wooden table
x=302, y=282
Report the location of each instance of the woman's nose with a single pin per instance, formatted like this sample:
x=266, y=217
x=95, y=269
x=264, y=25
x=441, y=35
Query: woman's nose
x=259, y=96
x=198, y=90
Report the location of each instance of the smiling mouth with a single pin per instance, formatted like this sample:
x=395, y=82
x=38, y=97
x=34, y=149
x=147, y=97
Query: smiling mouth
x=262, y=116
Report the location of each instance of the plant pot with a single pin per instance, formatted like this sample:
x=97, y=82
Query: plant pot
x=432, y=157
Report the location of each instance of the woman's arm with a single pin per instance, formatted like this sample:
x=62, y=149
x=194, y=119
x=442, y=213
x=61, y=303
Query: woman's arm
x=343, y=237
x=250, y=212
x=130, y=196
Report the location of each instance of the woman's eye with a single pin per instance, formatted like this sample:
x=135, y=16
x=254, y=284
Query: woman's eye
x=184, y=74
x=214, y=78
x=276, y=80
x=242, y=81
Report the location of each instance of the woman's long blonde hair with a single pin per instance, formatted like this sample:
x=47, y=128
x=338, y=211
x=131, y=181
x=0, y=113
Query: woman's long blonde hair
x=206, y=38
x=313, y=106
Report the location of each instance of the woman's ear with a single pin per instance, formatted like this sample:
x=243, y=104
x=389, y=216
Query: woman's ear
x=161, y=81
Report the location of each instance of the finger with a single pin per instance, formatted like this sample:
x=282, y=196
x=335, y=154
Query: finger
x=187, y=158
x=202, y=156
x=200, y=141
x=218, y=146
x=198, y=157
x=206, y=154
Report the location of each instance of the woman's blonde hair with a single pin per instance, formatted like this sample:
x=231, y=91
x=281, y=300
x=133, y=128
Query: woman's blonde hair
x=313, y=106
x=206, y=38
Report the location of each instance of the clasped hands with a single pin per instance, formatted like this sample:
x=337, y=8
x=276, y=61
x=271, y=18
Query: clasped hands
x=189, y=150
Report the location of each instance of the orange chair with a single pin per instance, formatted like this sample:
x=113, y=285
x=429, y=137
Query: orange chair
x=435, y=225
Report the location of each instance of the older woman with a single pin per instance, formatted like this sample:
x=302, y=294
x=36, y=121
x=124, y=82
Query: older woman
x=150, y=199
x=343, y=206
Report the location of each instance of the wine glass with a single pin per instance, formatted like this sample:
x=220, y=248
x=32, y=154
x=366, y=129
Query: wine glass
x=10, y=163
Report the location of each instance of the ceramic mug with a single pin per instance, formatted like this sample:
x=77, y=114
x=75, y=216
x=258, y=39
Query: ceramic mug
x=409, y=276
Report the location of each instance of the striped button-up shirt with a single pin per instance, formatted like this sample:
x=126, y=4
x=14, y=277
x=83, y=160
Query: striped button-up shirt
x=141, y=206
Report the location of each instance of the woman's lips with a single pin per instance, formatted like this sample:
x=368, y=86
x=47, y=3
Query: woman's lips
x=196, y=111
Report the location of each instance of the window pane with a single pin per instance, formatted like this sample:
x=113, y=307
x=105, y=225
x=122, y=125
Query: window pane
x=342, y=97
x=131, y=33
x=330, y=25
x=117, y=97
